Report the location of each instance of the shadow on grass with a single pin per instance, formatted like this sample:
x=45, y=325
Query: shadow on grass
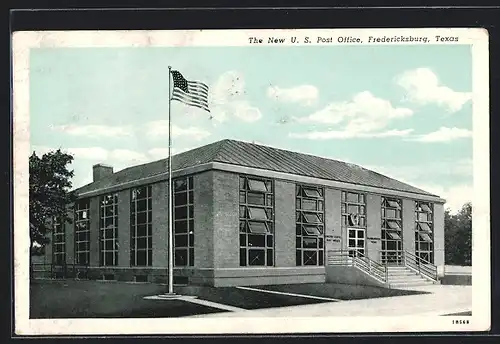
x=340, y=291
x=111, y=299
x=469, y=313
x=245, y=299
x=96, y=299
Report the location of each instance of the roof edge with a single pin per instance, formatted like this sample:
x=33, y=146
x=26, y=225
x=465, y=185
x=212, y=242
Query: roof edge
x=252, y=170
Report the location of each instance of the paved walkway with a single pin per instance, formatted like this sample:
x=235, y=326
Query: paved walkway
x=443, y=299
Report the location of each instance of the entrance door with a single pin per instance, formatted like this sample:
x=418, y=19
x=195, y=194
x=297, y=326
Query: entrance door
x=356, y=241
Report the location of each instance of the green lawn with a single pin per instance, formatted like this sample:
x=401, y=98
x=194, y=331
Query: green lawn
x=245, y=299
x=100, y=299
x=460, y=314
x=339, y=291
x=97, y=299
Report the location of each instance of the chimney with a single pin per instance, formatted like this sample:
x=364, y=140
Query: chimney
x=101, y=171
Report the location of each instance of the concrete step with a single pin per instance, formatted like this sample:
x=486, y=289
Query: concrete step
x=398, y=270
x=410, y=284
x=402, y=274
x=404, y=278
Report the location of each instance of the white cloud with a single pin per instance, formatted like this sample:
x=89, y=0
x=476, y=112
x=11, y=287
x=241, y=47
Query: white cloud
x=455, y=195
x=302, y=94
x=363, y=116
x=99, y=154
x=158, y=153
x=228, y=99
x=94, y=130
x=162, y=153
x=81, y=181
x=159, y=128
x=90, y=153
x=333, y=134
x=444, y=134
x=193, y=133
x=126, y=155
x=448, y=169
x=423, y=87
x=41, y=150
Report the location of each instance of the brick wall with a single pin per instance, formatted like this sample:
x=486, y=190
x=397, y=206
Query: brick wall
x=439, y=237
x=333, y=216
x=94, y=231
x=159, y=195
x=124, y=228
x=284, y=234
x=226, y=219
x=373, y=226
x=204, y=219
x=409, y=225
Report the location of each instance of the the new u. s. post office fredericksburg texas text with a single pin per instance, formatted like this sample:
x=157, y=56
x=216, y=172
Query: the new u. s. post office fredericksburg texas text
x=248, y=214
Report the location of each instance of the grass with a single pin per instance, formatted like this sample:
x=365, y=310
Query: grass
x=245, y=299
x=92, y=299
x=469, y=313
x=340, y=291
x=98, y=299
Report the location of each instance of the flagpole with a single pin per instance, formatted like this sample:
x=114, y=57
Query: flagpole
x=170, y=198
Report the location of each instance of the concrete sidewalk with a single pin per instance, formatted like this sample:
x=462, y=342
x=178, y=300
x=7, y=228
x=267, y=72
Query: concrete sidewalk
x=441, y=300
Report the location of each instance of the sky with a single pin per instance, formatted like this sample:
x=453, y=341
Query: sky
x=402, y=110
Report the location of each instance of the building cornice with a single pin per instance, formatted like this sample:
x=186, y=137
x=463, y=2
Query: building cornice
x=264, y=173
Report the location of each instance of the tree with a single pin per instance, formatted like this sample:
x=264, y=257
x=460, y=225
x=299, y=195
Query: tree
x=49, y=195
x=458, y=236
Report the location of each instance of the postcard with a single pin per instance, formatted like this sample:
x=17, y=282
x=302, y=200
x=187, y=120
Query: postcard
x=251, y=181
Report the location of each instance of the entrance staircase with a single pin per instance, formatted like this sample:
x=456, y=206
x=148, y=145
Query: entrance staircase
x=411, y=272
x=402, y=276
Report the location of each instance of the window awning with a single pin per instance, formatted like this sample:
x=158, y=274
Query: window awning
x=425, y=207
x=425, y=237
x=393, y=225
x=424, y=227
x=257, y=227
x=257, y=213
x=393, y=204
x=311, y=218
x=312, y=230
x=257, y=185
x=311, y=193
x=394, y=235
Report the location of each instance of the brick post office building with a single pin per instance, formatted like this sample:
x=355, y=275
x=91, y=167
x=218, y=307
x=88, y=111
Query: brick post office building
x=244, y=214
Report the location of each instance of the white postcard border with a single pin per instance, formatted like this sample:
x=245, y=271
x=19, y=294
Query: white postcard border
x=480, y=319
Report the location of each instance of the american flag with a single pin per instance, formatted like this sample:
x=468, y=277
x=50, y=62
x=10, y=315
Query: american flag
x=192, y=93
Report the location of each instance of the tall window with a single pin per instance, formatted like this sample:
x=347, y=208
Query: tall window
x=256, y=221
x=82, y=232
x=354, y=219
x=310, y=221
x=391, y=236
x=141, y=227
x=58, y=243
x=424, y=229
x=108, y=233
x=183, y=222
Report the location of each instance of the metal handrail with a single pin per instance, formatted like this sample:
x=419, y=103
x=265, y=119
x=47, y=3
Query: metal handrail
x=398, y=257
x=359, y=260
x=422, y=266
x=415, y=256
